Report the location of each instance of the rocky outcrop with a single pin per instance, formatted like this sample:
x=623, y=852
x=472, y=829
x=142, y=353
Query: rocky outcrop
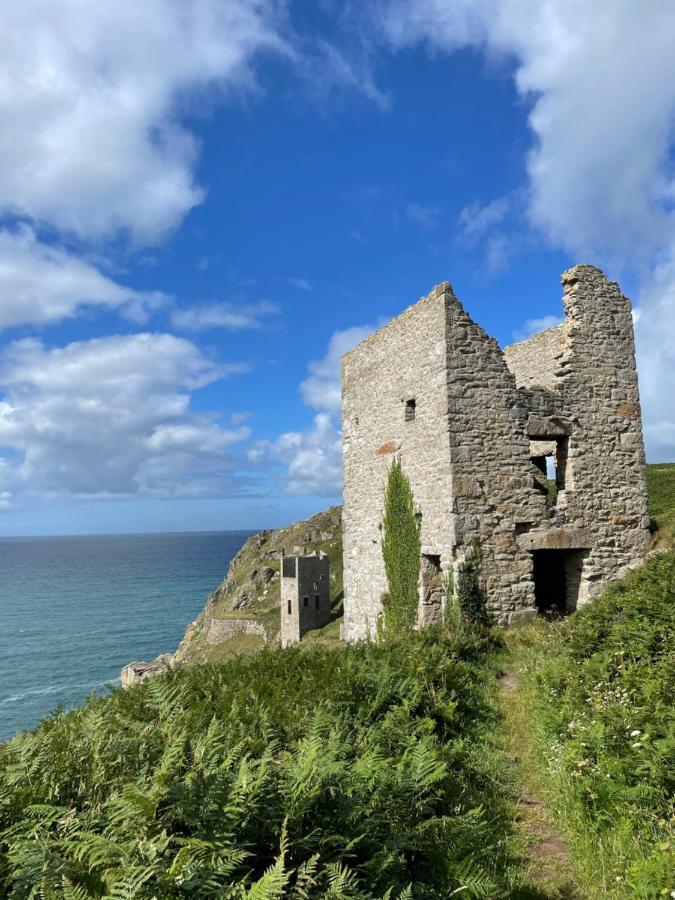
x=243, y=612
x=137, y=672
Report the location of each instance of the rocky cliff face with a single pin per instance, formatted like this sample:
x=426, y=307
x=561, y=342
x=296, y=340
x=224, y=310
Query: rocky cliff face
x=242, y=614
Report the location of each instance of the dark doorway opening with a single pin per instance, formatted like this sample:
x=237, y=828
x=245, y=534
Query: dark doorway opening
x=557, y=578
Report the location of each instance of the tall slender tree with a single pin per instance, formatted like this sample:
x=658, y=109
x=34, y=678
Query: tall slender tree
x=401, y=552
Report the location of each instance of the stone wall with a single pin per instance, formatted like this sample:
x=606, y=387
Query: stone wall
x=471, y=424
x=404, y=361
x=492, y=479
x=536, y=361
x=305, y=596
x=225, y=629
x=607, y=487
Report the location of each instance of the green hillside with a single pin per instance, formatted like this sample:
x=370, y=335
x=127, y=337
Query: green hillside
x=597, y=701
x=661, y=484
x=363, y=772
x=399, y=771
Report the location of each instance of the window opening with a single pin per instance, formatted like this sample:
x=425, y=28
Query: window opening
x=305, y=602
x=316, y=600
x=410, y=409
x=549, y=461
x=289, y=607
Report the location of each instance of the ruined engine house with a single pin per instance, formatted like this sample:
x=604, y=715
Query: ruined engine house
x=537, y=450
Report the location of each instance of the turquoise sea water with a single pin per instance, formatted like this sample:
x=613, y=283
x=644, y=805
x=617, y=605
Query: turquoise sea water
x=74, y=610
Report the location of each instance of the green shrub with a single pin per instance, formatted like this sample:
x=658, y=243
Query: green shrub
x=401, y=552
x=360, y=772
x=471, y=596
x=604, y=686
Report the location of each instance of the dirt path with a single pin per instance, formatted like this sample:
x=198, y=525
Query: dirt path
x=550, y=869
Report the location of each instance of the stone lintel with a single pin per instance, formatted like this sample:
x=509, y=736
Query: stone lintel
x=556, y=539
x=548, y=428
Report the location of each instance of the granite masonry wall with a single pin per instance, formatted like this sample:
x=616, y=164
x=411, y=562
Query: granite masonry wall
x=305, y=596
x=225, y=629
x=405, y=361
x=472, y=425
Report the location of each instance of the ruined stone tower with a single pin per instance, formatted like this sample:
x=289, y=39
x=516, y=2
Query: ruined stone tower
x=477, y=429
x=305, y=596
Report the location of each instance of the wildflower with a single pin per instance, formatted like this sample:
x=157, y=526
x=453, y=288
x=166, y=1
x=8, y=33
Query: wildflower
x=637, y=745
x=635, y=732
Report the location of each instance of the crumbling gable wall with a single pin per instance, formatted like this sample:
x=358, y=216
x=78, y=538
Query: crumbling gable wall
x=492, y=482
x=589, y=362
x=599, y=386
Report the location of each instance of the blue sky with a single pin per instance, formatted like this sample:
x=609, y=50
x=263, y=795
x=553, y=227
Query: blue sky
x=202, y=207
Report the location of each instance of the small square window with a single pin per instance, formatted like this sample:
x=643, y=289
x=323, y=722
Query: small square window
x=410, y=409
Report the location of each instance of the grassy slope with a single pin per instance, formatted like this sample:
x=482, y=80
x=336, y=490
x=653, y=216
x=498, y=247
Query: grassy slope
x=366, y=768
x=661, y=483
x=246, y=594
x=595, y=720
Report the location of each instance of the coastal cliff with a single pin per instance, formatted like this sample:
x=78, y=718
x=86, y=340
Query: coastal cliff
x=242, y=614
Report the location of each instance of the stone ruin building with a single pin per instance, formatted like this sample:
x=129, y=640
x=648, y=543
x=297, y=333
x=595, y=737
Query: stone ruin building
x=477, y=429
x=305, y=596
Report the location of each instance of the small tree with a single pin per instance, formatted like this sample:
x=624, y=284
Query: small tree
x=470, y=594
x=401, y=552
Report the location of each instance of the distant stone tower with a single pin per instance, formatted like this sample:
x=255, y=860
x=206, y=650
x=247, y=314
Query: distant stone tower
x=305, y=596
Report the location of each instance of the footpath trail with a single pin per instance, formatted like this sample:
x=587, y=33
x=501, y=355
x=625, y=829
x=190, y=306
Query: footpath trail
x=547, y=857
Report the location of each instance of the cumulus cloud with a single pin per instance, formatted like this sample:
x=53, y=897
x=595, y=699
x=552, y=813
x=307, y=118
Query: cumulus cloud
x=322, y=389
x=312, y=459
x=200, y=317
x=534, y=326
x=95, y=101
x=476, y=219
x=655, y=334
x=600, y=82
x=40, y=284
x=112, y=416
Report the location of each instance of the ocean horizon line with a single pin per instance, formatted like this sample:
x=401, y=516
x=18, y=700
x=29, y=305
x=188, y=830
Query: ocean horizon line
x=113, y=534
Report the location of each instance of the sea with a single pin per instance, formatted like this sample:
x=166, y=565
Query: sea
x=75, y=610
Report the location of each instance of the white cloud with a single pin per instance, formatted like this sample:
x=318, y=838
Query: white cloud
x=477, y=219
x=112, y=416
x=312, y=459
x=425, y=216
x=302, y=284
x=94, y=102
x=230, y=316
x=534, y=326
x=600, y=81
x=40, y=284
x=322, y=389
x=655, y=333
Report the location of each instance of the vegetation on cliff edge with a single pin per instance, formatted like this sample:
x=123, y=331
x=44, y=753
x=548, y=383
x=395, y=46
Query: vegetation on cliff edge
x=363, y=772
x=599, y=688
